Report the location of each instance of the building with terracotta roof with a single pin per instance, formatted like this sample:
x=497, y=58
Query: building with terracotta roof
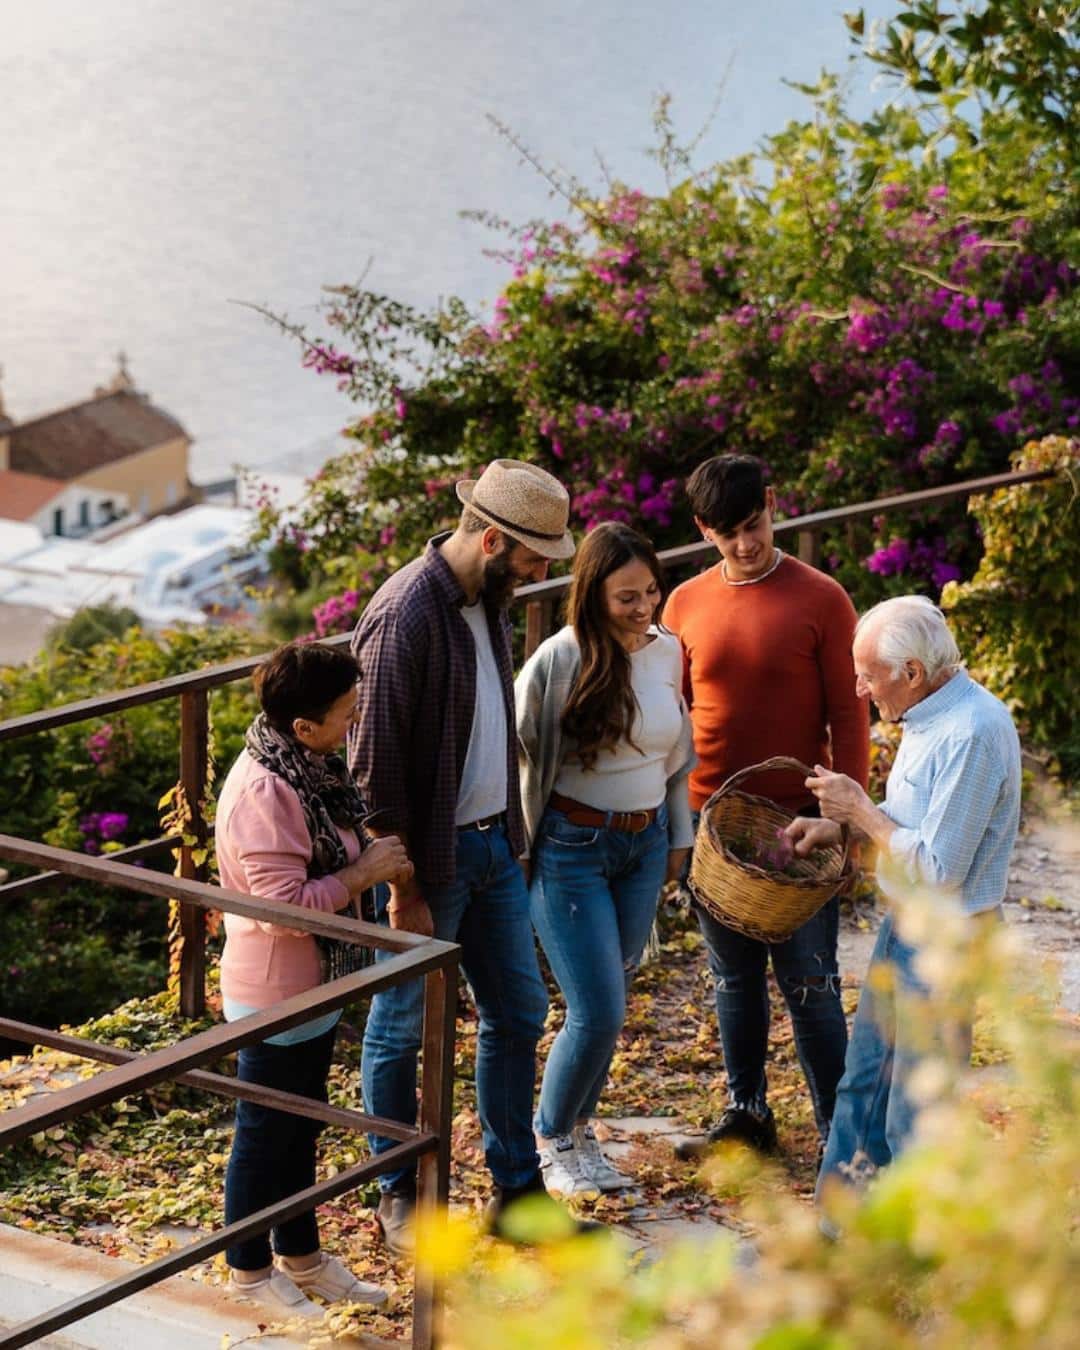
x=56, y=507
x=116, y=453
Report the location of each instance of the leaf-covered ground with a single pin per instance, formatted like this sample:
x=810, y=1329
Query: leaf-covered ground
x=131, y=1179
x=128, y=1179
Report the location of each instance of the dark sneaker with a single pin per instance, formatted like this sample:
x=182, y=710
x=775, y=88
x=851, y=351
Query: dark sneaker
x=737, y=1126
x=396, y=1217
x=528, y=1216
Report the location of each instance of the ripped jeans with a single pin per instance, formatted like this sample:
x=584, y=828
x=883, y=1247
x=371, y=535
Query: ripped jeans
x=593, y=901
x=807, y=973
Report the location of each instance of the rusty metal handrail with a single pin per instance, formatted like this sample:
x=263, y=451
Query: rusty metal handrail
x=429, y=1143
x=213, y=677
x=814, y=523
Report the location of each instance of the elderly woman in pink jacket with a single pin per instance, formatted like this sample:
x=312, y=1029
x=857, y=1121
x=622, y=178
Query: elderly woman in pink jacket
x=289, y=827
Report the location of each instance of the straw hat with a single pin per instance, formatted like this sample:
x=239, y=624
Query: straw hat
x=525, y=502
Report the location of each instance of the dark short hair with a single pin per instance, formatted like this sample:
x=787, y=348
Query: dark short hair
x=303, y=679
x=726, y=489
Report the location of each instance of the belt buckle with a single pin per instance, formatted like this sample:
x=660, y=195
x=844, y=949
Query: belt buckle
x=644, y=822
x=487, y=823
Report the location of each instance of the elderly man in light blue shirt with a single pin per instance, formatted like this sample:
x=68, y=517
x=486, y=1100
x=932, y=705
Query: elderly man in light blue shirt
x=949, y=822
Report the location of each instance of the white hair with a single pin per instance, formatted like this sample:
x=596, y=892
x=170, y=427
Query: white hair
x=912, y=628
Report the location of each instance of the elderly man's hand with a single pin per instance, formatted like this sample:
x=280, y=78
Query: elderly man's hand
x=808, y=833
x=840, y=797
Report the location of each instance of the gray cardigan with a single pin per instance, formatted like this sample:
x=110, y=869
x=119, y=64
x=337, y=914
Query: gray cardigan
x=540, y=694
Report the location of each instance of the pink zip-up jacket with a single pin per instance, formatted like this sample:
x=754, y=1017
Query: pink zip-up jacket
x=264, y=848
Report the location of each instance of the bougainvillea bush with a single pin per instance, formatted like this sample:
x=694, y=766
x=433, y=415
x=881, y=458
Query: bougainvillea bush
x=872, y=307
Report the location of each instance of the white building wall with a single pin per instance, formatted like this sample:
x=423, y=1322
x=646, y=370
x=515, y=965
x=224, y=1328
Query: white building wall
x=82, y=510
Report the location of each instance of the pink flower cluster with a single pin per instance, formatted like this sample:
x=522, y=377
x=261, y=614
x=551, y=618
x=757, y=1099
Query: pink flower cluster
x=100, y=827
x=895, y=401
x=923, y=558
x=325, y=359
x=99, y=745
x=338, y=614
x=620, y=493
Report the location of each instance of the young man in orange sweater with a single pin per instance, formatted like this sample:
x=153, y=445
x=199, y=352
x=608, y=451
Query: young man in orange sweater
x=768, y=671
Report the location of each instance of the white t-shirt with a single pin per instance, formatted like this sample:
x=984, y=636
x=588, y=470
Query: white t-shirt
x=629, y=779
x=482, y=791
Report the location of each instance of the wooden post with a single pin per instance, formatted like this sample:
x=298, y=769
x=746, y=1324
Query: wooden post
x=194, y=732
x=809, y=542
x=537, y=624
x=436, y=1115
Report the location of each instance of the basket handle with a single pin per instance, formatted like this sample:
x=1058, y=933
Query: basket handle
x=777, y=762
x=783, y=762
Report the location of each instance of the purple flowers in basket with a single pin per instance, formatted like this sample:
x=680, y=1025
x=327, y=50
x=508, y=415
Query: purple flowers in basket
x=774, y=855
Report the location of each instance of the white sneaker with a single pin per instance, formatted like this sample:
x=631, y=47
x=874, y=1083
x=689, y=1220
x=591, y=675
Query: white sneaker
x=279, y=1294
x=562, y=1171
x=600, y=1171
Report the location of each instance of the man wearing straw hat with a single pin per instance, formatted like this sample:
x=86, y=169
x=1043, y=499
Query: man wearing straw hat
x=435, y=753
x=948, y=825
x=767, y=652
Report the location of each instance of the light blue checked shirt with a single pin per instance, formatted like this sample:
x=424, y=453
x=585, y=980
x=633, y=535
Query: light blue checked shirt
x=954, y=791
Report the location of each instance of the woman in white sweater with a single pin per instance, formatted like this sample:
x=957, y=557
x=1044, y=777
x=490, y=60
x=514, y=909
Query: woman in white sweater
x=605, y=745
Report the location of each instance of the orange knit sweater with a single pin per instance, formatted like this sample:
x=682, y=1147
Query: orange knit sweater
x=768, y=671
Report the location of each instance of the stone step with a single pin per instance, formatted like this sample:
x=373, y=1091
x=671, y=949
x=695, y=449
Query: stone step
x=39, y=1273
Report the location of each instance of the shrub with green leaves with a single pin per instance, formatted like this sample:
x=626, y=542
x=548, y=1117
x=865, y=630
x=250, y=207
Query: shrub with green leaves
x=969, y=1239
x=94, y=787
x=1017, y=616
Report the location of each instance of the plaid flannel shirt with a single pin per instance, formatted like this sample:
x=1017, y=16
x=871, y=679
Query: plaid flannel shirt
x=417, y=692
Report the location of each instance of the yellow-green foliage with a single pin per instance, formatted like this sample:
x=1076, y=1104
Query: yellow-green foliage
x=1016, y=619
x=968, y=1240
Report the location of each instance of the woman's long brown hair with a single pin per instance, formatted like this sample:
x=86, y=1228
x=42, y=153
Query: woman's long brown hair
x=600, y=710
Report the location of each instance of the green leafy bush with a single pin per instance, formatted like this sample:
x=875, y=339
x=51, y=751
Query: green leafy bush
x=91, y=625
x=94, y=786
x=1017, y=616
x=969, y=1239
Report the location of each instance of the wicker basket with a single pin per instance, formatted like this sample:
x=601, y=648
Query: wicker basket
x=740, y=895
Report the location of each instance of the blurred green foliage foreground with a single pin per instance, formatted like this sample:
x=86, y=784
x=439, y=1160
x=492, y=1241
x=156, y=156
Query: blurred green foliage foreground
x=968, y=1240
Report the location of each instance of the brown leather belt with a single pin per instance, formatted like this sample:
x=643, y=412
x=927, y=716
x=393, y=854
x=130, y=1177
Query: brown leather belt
x=577, y=813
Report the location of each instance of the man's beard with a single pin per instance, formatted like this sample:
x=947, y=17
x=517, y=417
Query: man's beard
x=498, y=582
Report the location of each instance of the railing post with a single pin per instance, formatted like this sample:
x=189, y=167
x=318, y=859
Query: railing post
x=436, y=1114
x=809, y=545
x=194, y=733
x=537, y=624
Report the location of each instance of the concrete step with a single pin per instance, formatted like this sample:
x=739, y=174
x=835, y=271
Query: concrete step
x=38, y=1273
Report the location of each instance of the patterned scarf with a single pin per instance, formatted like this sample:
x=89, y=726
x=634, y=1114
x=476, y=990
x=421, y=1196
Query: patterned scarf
x=329, y=798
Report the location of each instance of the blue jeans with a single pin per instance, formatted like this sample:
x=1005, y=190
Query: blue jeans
x=485, y=909
x=874, y=1117
x=273, y=1152
x=807, y=972
x=593, y=897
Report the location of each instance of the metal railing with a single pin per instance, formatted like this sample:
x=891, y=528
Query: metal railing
x=415, y=956
x=428, y=1144
x=542, y=597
